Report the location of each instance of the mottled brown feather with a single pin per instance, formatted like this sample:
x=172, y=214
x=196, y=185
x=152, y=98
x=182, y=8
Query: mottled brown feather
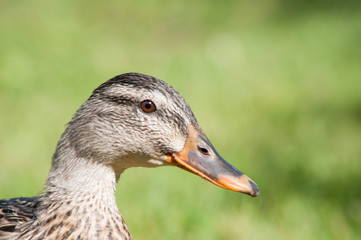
x=14, y=212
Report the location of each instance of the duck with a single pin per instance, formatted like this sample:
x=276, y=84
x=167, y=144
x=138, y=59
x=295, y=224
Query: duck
x=131, y=120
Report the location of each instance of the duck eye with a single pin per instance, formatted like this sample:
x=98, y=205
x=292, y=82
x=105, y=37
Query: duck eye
x=147, y=106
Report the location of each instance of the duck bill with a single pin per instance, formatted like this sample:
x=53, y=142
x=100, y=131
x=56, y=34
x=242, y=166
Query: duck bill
x=200, y=157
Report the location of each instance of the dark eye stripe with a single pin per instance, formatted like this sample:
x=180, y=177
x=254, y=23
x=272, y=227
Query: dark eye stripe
x=116, y=99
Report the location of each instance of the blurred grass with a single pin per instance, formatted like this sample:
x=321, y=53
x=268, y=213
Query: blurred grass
x=275, y=85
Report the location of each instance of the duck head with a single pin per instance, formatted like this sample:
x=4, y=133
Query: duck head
x=135, y=120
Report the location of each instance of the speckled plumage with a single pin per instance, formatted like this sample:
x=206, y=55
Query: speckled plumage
x=14, y=212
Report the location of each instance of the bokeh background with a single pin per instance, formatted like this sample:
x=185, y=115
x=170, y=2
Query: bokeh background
x=275, y=84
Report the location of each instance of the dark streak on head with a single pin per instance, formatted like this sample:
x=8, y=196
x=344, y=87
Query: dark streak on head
x=144, y=83
x=117, y=99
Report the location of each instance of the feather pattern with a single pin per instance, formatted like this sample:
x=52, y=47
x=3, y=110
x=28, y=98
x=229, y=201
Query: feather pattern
x=13, y=213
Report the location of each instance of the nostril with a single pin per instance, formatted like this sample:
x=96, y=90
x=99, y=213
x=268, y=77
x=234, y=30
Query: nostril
x=203, y=150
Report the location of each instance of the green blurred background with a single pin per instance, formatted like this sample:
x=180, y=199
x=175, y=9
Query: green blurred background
x=275, y=84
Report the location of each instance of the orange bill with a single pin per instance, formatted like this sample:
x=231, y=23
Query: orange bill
x=200, y=157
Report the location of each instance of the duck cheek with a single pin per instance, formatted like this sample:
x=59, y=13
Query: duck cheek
x=177, y=144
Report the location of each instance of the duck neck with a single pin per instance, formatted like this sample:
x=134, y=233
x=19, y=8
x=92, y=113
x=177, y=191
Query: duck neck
x=79, y=194
x=74, y=177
